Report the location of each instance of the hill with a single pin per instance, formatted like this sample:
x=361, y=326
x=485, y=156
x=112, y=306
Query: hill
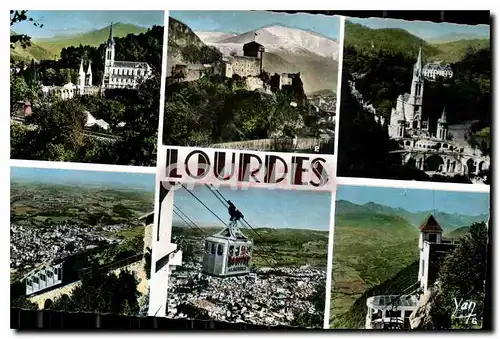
x=401, y=41
x=457, y=233
x=394, y=39
x=455, y=51
x=369, y=248
x=354, y=318
x=447, y=221
x=18, y=53
x=93, y=38
x=286, y=246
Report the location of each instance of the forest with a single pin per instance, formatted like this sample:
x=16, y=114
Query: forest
x=55, y=131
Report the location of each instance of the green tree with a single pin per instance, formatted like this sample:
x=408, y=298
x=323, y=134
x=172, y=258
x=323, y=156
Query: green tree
x=462, y=277
x=21, y=39
x=99, y=293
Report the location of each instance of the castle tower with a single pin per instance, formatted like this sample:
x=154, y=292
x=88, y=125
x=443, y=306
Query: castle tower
x=442, y=127
x=417, y=91
x=81, y=79
x=89, y=75
x=430, y=233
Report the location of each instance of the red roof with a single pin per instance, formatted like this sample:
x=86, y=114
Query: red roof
x=431, y=225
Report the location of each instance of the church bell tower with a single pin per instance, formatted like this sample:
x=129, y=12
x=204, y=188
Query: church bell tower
x=110, y=49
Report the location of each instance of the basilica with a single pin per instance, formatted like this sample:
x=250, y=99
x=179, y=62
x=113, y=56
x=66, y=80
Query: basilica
x=434, y=153
x=117, y=74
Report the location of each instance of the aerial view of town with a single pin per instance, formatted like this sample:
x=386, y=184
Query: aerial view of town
x=416, y=101
x=252, y=80
x=409, y=259
x=255, y=256
x=77, y=237
x=85, y=85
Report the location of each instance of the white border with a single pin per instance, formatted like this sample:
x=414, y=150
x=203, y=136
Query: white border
x=331, y=235
x=426, y=185
x=81, y=166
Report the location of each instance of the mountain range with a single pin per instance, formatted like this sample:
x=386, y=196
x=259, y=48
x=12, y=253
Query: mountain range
x=448, y=49
x=287, y=50
x=449, y=222
x=50, y=48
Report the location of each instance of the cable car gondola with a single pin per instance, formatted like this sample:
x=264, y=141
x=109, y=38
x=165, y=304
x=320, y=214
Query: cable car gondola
x=228, y=252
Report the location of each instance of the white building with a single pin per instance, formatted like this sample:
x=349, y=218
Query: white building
x=122, y=74
x=393, y=311
x=406, y=117
x=432, y=250
x=434, y=70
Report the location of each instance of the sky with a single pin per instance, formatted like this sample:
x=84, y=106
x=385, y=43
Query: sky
x=425, y=29
x=415, y=200
x=244, y=21
x=261, y=207
x=72, y=22
x=88, y=178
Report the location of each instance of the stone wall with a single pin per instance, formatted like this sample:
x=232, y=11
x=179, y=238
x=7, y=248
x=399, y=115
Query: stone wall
x=270, y=144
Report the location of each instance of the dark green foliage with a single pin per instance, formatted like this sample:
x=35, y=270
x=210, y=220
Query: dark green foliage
x=369, y=40
x=60, y=126
x=147, y=262
x=215, y=109
x=315, y=319
x=462, y=277
x=122, y=211
x=100, y=293
x=23, y=303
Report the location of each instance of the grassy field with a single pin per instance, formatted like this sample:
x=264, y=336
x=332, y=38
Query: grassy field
x=456, y=50
x=368, y=249
x=287, y=247
x=35, y=203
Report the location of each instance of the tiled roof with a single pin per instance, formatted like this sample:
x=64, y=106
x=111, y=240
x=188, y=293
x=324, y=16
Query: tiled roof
x=430, y=225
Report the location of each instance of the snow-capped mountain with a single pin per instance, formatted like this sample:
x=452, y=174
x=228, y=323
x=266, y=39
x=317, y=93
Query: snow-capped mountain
x=211, y=37
x=287, y=50
x=275, y=39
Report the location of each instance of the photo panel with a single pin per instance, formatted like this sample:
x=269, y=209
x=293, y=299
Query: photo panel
x=407, y=258
x=416, y=101
x=234, y=248
x=85, y=85
x=79, y=240
x=252, y=80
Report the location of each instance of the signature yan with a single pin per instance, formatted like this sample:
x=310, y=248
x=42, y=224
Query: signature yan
x=464, y=309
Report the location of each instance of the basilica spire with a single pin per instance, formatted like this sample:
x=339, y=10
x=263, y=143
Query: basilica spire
x=89, y=70
x=110, y=38
x=418, y=64
x=443, y=115
x=81, y=71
